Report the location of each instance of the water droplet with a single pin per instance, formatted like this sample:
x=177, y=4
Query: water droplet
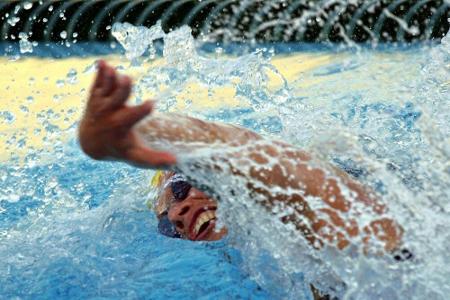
x=414, y=30
x=24, y=44
x=13, y=21
x=60, y=83
x=7, y=116
x=24, y=109
x=108, y=27
x=27, y=5
x=63, y=34
x=90, y=68
x=30, y=99
x=72, y=76
x=75, y=34
x=50, y=8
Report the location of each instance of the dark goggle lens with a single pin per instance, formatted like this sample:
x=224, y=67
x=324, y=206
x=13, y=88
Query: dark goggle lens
x=180, y=189
x=165, y=227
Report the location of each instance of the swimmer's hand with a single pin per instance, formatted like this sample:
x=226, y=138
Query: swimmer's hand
x=106, y=129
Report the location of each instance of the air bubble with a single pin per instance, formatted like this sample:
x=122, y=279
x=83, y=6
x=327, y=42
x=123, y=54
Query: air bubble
x=63, y=34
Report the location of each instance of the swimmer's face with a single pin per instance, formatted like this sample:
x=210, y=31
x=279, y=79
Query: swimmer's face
x=190, y=211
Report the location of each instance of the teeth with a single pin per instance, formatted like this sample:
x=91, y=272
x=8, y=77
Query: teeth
x=203, y=218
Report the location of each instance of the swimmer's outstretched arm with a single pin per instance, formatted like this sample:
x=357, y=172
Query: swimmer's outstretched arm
x=264, y=164
x=109, y=131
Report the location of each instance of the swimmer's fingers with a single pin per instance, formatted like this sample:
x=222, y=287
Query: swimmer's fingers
x=121, y=94
x=98, y=83
x=128, y=116
x=146, y=157
x=109, y=82
x=110, y=90
x=98, y=101
x=105, y=82
x=95, y=100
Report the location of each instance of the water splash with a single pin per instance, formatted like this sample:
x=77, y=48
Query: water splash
x=24, y=44
x=88, y=237
x=136, y=40
x=373, y=137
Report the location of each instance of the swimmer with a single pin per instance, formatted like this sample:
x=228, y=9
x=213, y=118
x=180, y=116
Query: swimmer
x=109, y=131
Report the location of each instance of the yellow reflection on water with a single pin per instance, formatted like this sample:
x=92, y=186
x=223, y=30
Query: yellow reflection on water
x=29, y=87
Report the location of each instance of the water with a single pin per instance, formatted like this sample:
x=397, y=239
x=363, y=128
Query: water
x=378, y=135
x=72, y=227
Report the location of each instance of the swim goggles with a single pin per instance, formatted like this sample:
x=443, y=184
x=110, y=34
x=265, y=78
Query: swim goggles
x=180, y=190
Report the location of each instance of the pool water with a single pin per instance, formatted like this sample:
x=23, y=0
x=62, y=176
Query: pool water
x=76, y=228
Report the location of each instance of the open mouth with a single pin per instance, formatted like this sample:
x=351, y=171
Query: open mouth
x=203, y=224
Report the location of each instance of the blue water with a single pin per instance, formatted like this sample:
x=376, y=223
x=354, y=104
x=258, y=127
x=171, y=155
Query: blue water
x=104, y=244
x=109, y=247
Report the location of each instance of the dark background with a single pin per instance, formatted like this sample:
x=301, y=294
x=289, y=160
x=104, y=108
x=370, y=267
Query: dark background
x=232, y=20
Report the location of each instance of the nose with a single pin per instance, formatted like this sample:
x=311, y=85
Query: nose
x=182, y=213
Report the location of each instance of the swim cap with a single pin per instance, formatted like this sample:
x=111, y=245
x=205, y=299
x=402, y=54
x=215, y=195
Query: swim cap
x=155, y=182
x=156, y=179
x=155, y=188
